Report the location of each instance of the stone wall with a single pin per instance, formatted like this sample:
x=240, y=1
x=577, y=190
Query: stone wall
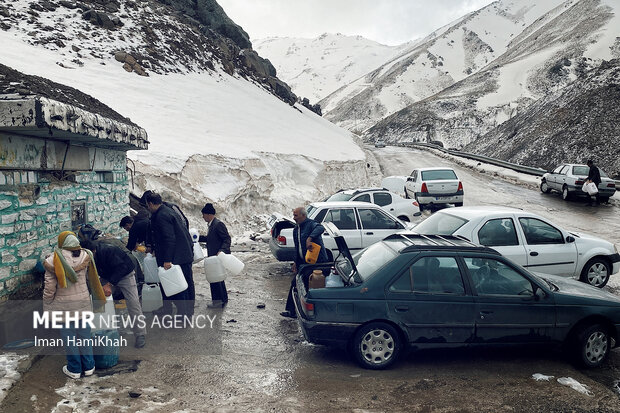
x=36, y=206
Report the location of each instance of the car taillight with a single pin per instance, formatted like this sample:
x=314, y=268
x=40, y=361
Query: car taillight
x=424, y=188
x=281, y=240
x=416, y=203
x=271, y=232
x=460, y=186
x=578, y=182
x=308, y=307
x=611, y=185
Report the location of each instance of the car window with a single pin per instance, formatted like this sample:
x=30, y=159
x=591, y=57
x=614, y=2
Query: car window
x=343, y=218
x=564, y=170
x=538, y=232
x=376, y=219
x=370, y=259
x=432, y=275
x=438, y=174
x=339, y=196
x=440, y=224
x=363, y=198
x=493, y=277
x=320, y=215
x=581, y=170
x=382, y=198
x=558, y=169
x=498, y=232
x=415, y=175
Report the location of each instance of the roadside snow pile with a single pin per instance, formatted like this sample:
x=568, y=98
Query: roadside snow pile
x=575, y=385
x=8, y=372
x=541, y=377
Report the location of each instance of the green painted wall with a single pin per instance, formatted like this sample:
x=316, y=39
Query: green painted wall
x=35, y=207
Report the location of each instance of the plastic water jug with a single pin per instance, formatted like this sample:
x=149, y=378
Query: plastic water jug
x=151, y=298
x=106, y=356
x=198, y=254
x=194, y=233
x=150, y=269
x=317, y=280
x=172, y=280
x=105, y=320
x=312, y=256
x=333, y=280
x=214, y=270
x=232, y=264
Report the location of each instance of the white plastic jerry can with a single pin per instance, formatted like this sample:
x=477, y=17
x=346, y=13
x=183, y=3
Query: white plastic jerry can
x=172, y=280
x=214, y=270
x=233, y=264
x=150, y=269
x=105, y=320
x=151, y=298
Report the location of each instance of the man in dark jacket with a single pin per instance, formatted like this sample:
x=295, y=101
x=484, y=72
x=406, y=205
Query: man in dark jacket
x=138, y=229
x=593, y=176
x=170, y=205
x=172, y=245
x=116, y=271
x=218, y=240
x=306, y=232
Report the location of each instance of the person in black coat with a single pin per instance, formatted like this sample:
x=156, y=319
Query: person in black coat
x=172, y=245
x=218, y=240
x=138, y=229
x=594, y=175
x=116, y=271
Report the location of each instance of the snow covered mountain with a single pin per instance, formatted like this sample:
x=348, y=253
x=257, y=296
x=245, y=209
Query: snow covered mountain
x=314, y=68
x=474, y=74
x=222, y=127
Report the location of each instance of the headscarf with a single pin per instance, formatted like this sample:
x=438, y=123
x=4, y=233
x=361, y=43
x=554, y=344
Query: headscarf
x=67, y=240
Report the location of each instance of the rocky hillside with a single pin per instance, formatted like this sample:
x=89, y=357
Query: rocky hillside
x=317, y=67
x=151, y=36
x=571, y=125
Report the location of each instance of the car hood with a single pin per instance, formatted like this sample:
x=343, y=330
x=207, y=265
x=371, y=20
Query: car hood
x=573, y=287
x=581, y=239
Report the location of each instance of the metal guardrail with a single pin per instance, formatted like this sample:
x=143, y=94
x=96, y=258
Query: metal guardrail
x=515, y=167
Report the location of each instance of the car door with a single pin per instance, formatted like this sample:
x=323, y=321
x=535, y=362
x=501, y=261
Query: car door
x=501, y=234
x=384, y=200
x=410, y=185
x=346, y=221
x=547, y=249
x=560, y=177
x=376, y=225
x=552, y=179
x=510, y=308
x=429, y=300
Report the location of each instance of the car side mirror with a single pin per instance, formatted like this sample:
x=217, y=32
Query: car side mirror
x=570, y=239
x=409, y=179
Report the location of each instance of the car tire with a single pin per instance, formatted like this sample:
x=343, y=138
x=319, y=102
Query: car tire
x=458, y=204
x=596, y=272
x=591, y=345
x=376, y=345
x=544, y=188
x=566, y=195
x=604, y=199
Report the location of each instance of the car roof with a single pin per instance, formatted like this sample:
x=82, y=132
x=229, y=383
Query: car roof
x=348, y=204
x=361, y=190
x=436, y=168
x=470, y=212
x=417, y=242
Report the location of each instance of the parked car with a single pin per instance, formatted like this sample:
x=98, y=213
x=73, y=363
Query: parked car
x=361, y=223
x=530, y=241
x=443, y=291
x=568, y=179
x=404, y=209
x=379, y=143
x=438, y=185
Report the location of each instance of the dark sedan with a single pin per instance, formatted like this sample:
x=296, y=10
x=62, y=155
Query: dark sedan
x=443, y=291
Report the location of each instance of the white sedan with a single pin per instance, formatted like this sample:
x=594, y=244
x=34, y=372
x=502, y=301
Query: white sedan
x=529, y=240
x=404, y=209
x=360, y=223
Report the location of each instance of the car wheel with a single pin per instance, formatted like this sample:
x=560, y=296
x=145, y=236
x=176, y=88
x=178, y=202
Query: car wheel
x=330, y=255
x=604, y=199
x=565, y=194
x=592, y=346
x=458, y=204
x=376, y=345
x=544, y=187
x=596, y=272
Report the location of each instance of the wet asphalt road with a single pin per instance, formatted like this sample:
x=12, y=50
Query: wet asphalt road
x=266, y=366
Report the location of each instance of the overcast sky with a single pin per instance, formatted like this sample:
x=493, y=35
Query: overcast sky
x=385, y=21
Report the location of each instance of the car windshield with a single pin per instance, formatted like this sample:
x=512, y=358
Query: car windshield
x=440, y=224
x=438, y=175
x=372, y=258
x=339, y=196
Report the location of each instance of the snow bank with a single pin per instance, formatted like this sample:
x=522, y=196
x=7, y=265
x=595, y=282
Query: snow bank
x=8, y=372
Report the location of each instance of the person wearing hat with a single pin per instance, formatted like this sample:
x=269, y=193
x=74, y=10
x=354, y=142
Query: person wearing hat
x=67, y=290
x=218, y=241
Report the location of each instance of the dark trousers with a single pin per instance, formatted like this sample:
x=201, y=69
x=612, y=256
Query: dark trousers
x=218, y=291
x=290, y=304
x=184, y=301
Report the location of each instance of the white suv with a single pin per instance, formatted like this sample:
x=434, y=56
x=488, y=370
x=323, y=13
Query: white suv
x=529, y=240
x=403, y=209
x=431, y=186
